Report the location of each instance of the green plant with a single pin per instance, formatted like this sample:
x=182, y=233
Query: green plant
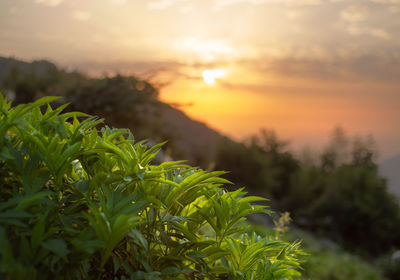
x=390, y=265
x=325, y=260
x=78, y=203
x=262, y=164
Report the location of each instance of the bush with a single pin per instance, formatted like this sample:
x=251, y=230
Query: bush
x=78, y=203
x=332, y=265
x=390, y=265
x=327, y=261
x=263, y=164
x=350, y=205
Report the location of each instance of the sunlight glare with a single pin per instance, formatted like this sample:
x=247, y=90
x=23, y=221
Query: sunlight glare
x=209, y=76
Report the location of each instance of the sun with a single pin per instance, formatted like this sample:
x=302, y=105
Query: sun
x=210, y=75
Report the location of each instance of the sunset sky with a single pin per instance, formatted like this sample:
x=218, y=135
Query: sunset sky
x=300, y=67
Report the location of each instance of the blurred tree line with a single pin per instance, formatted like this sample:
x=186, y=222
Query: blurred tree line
x=337, y=194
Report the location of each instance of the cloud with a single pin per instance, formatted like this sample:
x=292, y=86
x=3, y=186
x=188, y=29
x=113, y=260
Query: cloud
x=378, y=32
x=164, y=4
x=13, y=10
x=357, y=17
x=159, y=73
x=363, y=67
x=219, y=4
x=385, y=1
x=185, y=9
x=206, y=50
x=118, y=2
x=354, y=13
x=355, y=29
x=394, y=9
x=51, y=3
x=81, y=15
x=294, y=14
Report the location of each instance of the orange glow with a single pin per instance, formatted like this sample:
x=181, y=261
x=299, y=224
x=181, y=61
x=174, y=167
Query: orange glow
x=304, y=111
x=244, y=65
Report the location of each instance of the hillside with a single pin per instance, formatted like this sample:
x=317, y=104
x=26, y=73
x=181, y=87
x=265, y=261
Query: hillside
x=40, y=67
x=123, y=101
x=196, y=140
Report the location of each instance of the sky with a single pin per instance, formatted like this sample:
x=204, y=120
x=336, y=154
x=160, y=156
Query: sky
x=299, y=67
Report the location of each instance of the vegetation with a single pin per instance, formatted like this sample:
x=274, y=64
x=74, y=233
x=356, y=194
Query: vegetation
x=78, y=203
x=341, y=197
x=390, y=265
x=351, y=207
x=336, y=195
x=118, y=99
x=325, y=260
x=123, y=101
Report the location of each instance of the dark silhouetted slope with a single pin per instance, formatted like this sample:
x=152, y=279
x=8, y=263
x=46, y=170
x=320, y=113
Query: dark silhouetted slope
x=124, y=101
x=40, y=67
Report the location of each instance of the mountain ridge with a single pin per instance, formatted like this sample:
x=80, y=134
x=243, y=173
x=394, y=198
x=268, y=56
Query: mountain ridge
x=123, y=97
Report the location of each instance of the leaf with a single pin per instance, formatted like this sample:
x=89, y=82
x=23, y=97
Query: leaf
x=38, y=233
x=7, y=258
x=170, y=270
x=9, y=214
x=28, y=200
x=57, y=246
x=5, y=153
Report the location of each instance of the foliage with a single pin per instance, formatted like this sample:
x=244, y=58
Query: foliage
x=78, y=203
x=390, y=265
x=325, y=261
x=263, y=165
x=342, y=197
x=33, y=79
x=123, y=101
x=332, y=265
x=247, y=166
x=119, y=99
x=352, y=208
x=113, y=95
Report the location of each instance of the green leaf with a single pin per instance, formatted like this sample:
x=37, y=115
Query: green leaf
x=170, y=270
x=57, y=246
x=29, y=200
x=38, y=232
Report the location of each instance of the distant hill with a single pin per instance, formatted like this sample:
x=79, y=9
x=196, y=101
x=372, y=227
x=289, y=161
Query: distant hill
x=390, y=169
x=195, y=139
x=40, y=67
x=123, y=102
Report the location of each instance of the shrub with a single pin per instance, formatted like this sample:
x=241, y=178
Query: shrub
x=78, y=203
x=326, y=260
x=263, y=164
x=350, y=205
x=390, y=265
